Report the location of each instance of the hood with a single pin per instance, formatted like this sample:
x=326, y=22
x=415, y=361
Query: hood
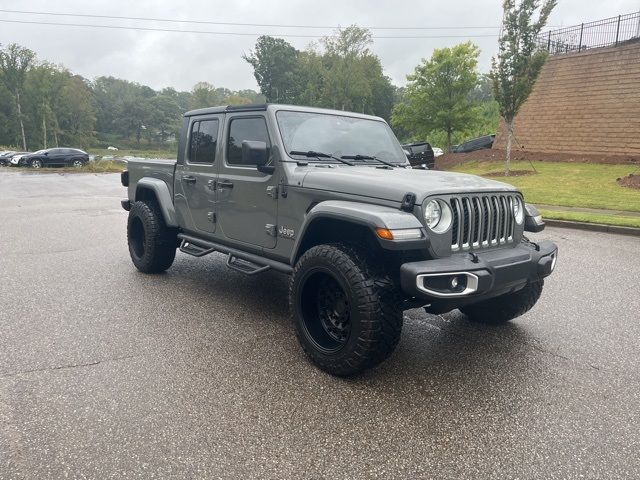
x=394, y=184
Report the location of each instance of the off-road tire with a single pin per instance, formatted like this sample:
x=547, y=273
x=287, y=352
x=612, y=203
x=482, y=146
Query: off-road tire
x=374, y=307
x=506, y=307
x=152, y=245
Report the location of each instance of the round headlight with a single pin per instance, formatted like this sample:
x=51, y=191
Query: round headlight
x=438, y=215
x=432, y=213
x=518, y=210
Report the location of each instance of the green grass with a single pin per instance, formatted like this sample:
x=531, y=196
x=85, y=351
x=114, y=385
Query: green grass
x=100, y=166
x=567, y=184
x=592, y=218
x=170, y=154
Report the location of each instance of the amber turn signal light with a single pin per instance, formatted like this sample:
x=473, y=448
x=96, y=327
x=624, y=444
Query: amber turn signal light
x=384, y=233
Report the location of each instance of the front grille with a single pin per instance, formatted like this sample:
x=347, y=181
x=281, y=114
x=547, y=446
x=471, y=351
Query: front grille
x=481, y=221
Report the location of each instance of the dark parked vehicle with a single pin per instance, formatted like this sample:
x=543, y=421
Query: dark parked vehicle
x=325, y=197
x=474, y=144
x=420, y=155
x=56, y=157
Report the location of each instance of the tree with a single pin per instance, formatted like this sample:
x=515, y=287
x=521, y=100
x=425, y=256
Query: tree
x=519, y=60
x=204, y=95
x=350, y=67
x=15, y=61
x=164, y=117
x=42, y=92
x=275, y=67
x=341, y=73
x=437, y=96
x=76, y=113
x=134, y=115
x=235, y=99
x=483, y=91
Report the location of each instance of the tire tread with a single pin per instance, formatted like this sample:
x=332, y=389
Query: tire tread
x=160, y=240
x=378, y=303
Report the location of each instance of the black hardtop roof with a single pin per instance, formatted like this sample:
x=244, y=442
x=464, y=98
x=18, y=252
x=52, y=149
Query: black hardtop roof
x=227, y=108
x=269, y=106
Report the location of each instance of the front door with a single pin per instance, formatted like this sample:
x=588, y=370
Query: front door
x=195, y=179
x=55, y=157
x=247, y=198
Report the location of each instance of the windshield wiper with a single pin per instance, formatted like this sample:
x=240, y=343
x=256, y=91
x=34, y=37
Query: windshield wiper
x=368, y=157
x=318, y=155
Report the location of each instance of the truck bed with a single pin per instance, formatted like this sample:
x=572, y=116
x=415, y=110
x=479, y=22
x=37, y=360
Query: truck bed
x=162, y=169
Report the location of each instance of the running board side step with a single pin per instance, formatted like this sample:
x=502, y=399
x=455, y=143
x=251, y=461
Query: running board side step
x=244, y=266
x=244, y=262
x=195, y=250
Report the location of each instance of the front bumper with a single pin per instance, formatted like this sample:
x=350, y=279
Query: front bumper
x=479, y=276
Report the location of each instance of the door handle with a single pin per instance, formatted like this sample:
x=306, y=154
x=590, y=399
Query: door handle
x=188, y=179
x=225, y=184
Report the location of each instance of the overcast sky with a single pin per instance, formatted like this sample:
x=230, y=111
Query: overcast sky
x=160, y=59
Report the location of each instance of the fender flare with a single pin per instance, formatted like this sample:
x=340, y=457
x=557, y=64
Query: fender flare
x=163, y=196
x=365, y=214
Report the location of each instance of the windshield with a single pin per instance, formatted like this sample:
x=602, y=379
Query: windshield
x=338, y=135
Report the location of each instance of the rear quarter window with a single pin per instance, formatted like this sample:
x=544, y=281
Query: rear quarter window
x=203, y=141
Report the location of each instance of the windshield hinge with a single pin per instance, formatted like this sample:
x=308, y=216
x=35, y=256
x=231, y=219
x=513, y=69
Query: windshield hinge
x=283, y=188
x=408, y=201
x=272, y=191
x=270, y=229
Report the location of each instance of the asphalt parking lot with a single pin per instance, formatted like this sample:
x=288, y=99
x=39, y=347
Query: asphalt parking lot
x=196, y=373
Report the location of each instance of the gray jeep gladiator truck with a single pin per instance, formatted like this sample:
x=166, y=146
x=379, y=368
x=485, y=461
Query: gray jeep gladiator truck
x=328, y=198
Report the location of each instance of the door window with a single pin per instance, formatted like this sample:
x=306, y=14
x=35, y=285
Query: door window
x=204, y=138
x=242, y=129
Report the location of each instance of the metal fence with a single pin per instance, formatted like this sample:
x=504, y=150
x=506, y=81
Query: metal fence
x=601, y=33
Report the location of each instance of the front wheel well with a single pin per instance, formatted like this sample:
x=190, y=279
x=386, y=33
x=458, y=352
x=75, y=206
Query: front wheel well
x=332, y=230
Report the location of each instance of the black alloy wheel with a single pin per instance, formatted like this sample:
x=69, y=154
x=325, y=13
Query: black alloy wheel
x=345, y=307
x=326, y=312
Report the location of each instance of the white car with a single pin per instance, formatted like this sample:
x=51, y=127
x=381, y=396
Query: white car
x=437, y=152
x=15, y=160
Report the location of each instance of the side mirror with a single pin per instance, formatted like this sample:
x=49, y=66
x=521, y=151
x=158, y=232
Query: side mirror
x=46, y=153
x=256, y=153
x=532, y=220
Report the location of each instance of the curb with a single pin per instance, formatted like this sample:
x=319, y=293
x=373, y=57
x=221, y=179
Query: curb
x=594, y=227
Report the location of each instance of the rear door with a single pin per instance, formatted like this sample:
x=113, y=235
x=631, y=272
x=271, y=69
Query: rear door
x=195, y=178
x=61, y=156
x=67, y=155
x=247, y=198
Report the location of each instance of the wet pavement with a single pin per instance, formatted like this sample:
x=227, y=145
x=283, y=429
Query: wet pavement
x=106, y=372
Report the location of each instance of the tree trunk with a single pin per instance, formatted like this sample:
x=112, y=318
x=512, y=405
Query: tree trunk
x=507, y=163
x=448, y=140
x=24, y=138
x=44, y=130
x=56, y=127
